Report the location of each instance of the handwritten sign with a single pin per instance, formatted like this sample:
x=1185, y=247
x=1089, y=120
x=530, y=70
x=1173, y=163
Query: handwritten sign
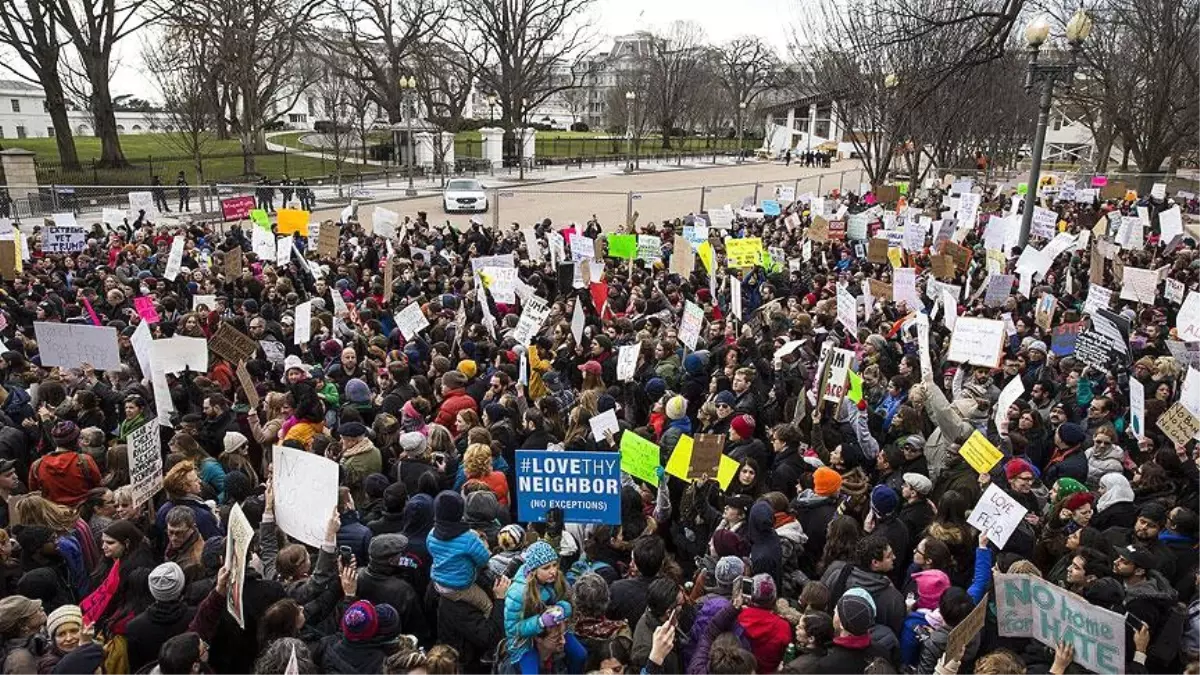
x=237, y=546
x=1179, y=424
x=640, y=457
x=977, y=341
x=233, y=345
x=979, y=452
x=744, y=252
x=306, y=492
x=690, y=324
x=174, y=258
x=68, y=345
x=292, y=221
x=997, y=515
x=1028, y=606
x=1063, y=337
x=706, y=455
x=411, y=320
x=144, y=306
x=145, y=462
x=627, y=359
x=56, y=239
x=237, y=208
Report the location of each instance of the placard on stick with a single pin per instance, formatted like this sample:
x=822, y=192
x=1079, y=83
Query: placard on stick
x=232, y=345
x=706, y=455
x=1178, y=423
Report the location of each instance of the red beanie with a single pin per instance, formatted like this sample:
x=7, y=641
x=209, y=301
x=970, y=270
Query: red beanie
x=1016, y=467
x=743, y=425
x=1078, y=499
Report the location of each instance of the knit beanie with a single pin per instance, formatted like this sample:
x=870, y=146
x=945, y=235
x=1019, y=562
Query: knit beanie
x=762, y=592
x=884, y=500
x=539, y=554
x=826, y=481
x=676, y=407
x=357, y=391
x=1016, y=467
x=448, y=507
x=655, y=388
x=1078, y=499
x=930, y=586
x=360, y=622
x=65, y=434
x=510, y=537
x=743, y=425
x=725, y=397
x=856, y=610
x=234, y=441
x=1068, y=487
x=413, y=442
x=166, y=582
x=730, y=543
x=374, y=485
x=389, y=620
x=64, y=615
x=1071, y=433
x=729, y=568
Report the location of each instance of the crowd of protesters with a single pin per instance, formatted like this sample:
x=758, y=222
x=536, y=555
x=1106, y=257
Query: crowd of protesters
x=840, y=546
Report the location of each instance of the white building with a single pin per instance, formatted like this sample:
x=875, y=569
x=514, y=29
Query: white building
x=802, y=124
x=23, y=114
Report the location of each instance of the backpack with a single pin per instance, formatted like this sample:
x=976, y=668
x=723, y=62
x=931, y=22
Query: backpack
x=582, y=567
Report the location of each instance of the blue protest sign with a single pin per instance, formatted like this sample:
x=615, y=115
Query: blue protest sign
x=585, y=485
x=770, y=207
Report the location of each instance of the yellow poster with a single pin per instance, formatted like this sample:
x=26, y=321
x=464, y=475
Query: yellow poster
x=292, y=221
x=979, y=452
x=681, y=459
x=744, y=252
x=895, y=255
x=706, y=256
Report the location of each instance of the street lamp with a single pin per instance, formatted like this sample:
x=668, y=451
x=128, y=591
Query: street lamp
x=741, y=126
x=1047, y=75
x=521, y=122
x=408, y=89
x=630, y=97
x=491, y=99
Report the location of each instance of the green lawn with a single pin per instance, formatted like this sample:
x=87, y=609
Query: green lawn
x=134, y=146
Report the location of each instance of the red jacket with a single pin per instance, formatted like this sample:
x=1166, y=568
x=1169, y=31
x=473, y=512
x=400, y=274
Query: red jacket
x=64, y=477
x=769, y=635
x=456, y=401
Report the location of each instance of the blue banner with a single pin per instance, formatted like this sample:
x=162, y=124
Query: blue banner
x=585, y=485
x=770, y=207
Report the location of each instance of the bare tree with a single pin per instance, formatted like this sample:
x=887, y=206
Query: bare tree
x=676, y=61
x=188, y=114
x=575, y=100
x=376, y=40
x=261, y=49
x=94, y=27
x=745, y=68
x=30, y=30
x=620, y=122
x=444, y=81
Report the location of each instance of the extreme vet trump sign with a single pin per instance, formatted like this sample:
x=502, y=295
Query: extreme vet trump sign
x=585, y=485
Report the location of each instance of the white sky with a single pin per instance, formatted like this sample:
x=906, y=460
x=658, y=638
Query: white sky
x=722, y=20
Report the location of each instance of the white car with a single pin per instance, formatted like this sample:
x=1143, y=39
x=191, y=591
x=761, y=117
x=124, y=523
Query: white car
x=464, y=195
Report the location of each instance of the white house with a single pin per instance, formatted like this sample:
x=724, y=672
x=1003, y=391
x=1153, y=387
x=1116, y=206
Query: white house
x=802, y=124
x=23, y=111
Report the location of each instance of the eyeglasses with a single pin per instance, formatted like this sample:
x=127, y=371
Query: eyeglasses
x=724, y=405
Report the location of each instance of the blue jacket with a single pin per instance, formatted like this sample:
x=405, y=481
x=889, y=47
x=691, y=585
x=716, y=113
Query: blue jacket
x=456, y=561
x=213, y=474
x=518, y=628
x=983, y=574
x=357, y=536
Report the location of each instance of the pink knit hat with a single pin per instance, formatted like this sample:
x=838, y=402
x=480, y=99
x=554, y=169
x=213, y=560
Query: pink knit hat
x=930, y=586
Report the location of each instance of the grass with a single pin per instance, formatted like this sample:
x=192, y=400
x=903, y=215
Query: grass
x=134, y=146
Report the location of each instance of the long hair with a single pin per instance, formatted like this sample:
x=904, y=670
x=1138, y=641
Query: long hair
x=37, y=510
x=279, y=621
x=532, y=603
x=116, y=461
x=841, y=541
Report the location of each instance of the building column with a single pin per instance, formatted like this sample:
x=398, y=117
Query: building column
x=493, y=146
x=20, y=174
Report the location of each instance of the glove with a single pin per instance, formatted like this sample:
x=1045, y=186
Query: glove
x=660, y=472
x=551, y=617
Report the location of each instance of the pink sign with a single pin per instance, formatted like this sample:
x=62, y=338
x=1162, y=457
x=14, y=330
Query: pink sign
x=145, y=309
x=91, y=312
x=237, y=208
x=1099, y=181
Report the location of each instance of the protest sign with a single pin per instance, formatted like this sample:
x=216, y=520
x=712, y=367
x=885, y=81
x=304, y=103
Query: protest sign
x=582, y=247
x=857, y=225
x=1097, y=297
x=1028, y=606
x=175, y=258
x=501, y=282
x=640, y=457
x=706, y=455
x=283, y=251
x=1011, y=392
x=58, y=239
x=532, y=316
x=1137, y=408
x=233, y=264
x=68, y=344
x=303, y=329
x=744, y=252
x=262, y=242
x=237, y=545
x=835, y=384
x=877, y=251
x=943, y=266
x=623, y=246
x=603, y=424
x=1044, y=311
x=247, y=385
x=961, y=254
x=722, y=217
x=384, y=222
x=179, y=353
x=237, y=208
x=1063, y=337
x=327, y=240
x=979, y=452
x=997, y=515
x=585, y=485
x=411, y=320
x=966, y=630
x=1140, y=285
x=770, y=207
x=1106, y=346
x=690, y=324
x=649, y=248
x=1171, y=223
x=904, y=288
x=627, y=359
x=111, y=217
x=233, y=345
x=880, y=290
x=306, y=493
x=1174, y=291
x=292, y=221
x=976, y=341
x=1187, y=322
x=1043, y=224
x=818, y=231
x=207, y=300
x=999, y=287
x=260, y=219
x=144, y=307
x=1179, y=424
x=145, y=462
x=847, y=309
x=681, y=459
x=914, y=236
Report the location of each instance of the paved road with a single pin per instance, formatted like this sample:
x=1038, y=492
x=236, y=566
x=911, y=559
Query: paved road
x=663, y=194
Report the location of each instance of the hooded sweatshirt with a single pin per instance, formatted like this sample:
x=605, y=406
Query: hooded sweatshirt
x=766, y=553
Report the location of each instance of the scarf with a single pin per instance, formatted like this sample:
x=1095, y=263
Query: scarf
x=1062, y=453
x=684, y=424
x=128, y=426
x=855, y=642
x=783, y=518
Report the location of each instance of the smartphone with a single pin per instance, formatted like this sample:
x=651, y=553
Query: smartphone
x=1133, y=622
x=747, y=587
x=346, y=554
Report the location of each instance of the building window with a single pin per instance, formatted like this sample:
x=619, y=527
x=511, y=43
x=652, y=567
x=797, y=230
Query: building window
x=45, y=106
x=20, y=132
x=1058, y=122
x=1, y=132
x=16, y=104
x=312, y=105
x=297, y=118
x=50, y=132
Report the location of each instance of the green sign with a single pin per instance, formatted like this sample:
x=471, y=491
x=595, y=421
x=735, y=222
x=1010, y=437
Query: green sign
x=622, y=246
x=1022, y=188
x=639, y=457
x=856, y=390
x=259, y=216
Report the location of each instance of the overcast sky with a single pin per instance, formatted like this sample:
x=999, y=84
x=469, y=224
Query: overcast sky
x=722, y=20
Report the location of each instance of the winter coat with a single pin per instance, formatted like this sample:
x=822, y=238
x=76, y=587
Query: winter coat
x=786, y=469
x=456, y=401
x=769, y=635
x=345, y=657
x=643, y=639
x=475, y=635
x=206, y=520
x=723, y=621
x=627, y=599
x=359, y=461
x=952, y=427
x=519, y=629
x=889, y=604
x=935, y=645
x=709, y=606
x=766, y=552
x=916, y=516
x=814, y=513
x=1111, y=461
x=1121, y=514
x=380, y=583
x=146, y=632
x=64, y=476
x=1074, y=465
x=354, y=534
x=749, y=448
x=959, y=476
x=848, y=655
x=456, y=561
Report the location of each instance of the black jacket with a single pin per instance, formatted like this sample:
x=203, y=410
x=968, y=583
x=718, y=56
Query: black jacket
x=212, y=432
x=147, y=631
x=381, y=582
x=473, y=634
x=814, y=514
x=346, y=657
x=627, y=599
x=786, y=470
x=916, y=516
x=751, y=448
x=239, y=647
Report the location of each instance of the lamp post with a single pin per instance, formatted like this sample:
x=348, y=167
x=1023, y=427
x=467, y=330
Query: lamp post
x=408, y=89
x=491, y=99
x=741, y=128
x=523, y=113
x=630, y=97
x=1047, y=75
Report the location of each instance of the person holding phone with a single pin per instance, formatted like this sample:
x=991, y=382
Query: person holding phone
x=536, y=609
